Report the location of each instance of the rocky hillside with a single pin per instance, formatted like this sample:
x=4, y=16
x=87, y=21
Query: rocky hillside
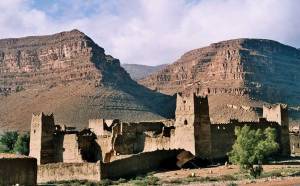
x=138, y=72
x=238, y=75
x=70, y=75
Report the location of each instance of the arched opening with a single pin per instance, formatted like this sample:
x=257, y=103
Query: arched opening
x=185, y=122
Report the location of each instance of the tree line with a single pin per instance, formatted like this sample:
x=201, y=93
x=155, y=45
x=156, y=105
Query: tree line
x=14, y=142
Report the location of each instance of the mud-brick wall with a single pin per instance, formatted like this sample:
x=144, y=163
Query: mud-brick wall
x=71, y=153
x=157, y=143
x=68, y=171
x=139, y=164
x=105, y=142
x=295, y=144
x=22, y=171
x=223, y=138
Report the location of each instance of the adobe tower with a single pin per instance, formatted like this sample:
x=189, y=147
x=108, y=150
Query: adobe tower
x=193, y=125
x=279, y=113
x=41, y=138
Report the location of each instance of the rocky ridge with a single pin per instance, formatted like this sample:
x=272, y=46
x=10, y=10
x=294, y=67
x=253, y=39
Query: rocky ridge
x=138, y=72
x=70, y=75
x=238, y=75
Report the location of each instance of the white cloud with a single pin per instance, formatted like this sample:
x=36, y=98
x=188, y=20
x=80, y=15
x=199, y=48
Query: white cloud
x=160, y=31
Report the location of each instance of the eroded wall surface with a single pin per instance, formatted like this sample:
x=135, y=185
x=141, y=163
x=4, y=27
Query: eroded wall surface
x=22, y=171
x=295, y=144
x=139, y=164
x=68, y=171
x=223, y=136
x=71, y=151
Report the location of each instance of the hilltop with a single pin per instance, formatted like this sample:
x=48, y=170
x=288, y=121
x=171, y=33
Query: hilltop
x=70, y=75
x=238, y=75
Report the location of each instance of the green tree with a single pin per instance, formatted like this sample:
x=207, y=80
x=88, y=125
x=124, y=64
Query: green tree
x=7, y=141
x=22, y=144
x=252, y=147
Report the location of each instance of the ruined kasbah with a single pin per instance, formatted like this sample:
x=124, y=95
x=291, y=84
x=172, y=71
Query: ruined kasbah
x=113, y=149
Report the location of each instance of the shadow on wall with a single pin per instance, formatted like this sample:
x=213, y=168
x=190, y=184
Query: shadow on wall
x=84, y=142
x=140, y=164
x=89, y=148
x=92, y=154
x=129, y=144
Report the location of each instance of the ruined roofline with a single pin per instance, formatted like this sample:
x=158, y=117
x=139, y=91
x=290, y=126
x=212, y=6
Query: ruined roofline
x=191, y=94
x=42, y=114
x=136, y=122
x=270, y=106
x=236, y=121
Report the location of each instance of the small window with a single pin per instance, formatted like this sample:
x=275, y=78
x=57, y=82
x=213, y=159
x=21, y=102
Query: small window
x=185, y=122
x=34, y=131
x=184, y=101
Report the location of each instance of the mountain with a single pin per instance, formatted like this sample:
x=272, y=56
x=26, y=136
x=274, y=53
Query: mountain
x=141, y=71
x=70, y=75
x=238, y=75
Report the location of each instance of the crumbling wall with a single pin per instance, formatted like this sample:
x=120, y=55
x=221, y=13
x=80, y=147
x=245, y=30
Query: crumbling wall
x=223, y=136
x=90, y=151
x=105, y=143
x=97, y=126
x=22, y=171
x=155, y=127
x=71, y=151
x=126, y=142
x=139, y=164
x=68, y=171
x=157, y=143
x=131, y=138
x=295, y=144
x=185, y=138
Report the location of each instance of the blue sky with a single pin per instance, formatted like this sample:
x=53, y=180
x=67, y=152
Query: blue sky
x=154, y=31
x=70, y=9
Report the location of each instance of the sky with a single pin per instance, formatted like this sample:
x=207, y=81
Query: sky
x=153, y=32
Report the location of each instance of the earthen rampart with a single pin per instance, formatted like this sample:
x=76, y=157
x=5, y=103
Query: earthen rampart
x=17, y=170
x=139, y=164
x=68, y=171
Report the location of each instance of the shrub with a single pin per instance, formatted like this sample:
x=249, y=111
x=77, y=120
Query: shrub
x=22, y=144
x=252, y=147
x=19, y=88
x=8, y=141
x=12, y=142
x=106, y=182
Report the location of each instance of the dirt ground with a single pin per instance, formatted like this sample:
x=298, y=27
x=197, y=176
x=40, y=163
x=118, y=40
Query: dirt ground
x=287, y=181
x=230, y=170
